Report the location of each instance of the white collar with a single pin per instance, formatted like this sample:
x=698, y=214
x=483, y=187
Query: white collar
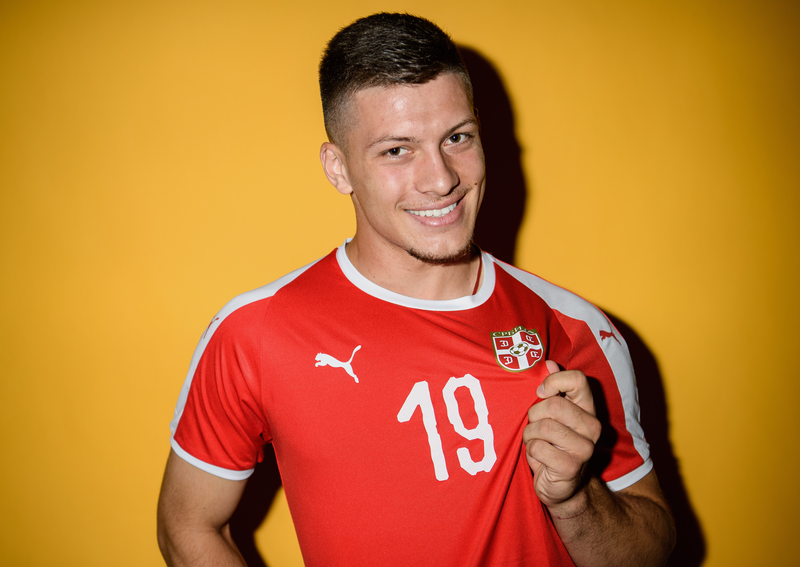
x=458, y=304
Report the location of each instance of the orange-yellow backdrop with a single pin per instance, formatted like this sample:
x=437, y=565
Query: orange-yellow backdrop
x=159, y=157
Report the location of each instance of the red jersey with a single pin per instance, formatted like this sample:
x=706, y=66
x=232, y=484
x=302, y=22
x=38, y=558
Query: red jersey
x=397, y=422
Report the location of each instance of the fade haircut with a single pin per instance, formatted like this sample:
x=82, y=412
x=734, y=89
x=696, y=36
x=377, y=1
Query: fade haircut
x=383, y=50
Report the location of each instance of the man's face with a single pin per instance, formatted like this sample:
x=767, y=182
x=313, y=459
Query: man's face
x=415, y=167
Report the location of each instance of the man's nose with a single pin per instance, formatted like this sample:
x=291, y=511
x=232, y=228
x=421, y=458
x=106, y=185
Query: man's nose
x=439, y=174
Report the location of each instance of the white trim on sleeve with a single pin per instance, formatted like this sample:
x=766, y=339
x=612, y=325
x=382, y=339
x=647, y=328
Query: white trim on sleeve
x=202, y=465
x=631, y=478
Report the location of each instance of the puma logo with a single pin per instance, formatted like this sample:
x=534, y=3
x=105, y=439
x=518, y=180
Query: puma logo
x=608, y=335
x=327, y=360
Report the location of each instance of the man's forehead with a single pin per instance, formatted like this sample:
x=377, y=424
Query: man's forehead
x=394, y=105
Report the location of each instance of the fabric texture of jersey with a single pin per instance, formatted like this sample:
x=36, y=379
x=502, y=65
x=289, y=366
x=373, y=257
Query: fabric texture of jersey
x=397, y=422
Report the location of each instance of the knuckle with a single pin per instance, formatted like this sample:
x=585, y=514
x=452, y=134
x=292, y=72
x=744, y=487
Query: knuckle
x=555, y=405
x=595, y=429
x=529, y=432
x=547, y=427
x=573, y=468
x=535, y=448
x=586, y=450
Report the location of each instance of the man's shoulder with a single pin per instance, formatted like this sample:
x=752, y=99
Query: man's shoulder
x=270, y=289
x=251, y=304
x=555, y=296
x=579, y=318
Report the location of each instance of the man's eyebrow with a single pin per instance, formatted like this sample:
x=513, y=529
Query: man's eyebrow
x=390, y=138
x=471, y=121
x=407, y=139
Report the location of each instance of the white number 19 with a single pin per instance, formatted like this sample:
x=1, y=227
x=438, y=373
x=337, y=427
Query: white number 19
x=420, y=395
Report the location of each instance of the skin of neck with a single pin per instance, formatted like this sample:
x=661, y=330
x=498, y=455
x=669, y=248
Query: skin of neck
x=401, y=273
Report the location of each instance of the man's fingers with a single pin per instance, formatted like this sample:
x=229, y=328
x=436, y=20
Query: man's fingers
x=552, y=366
x=562, y=438
x=560, y=464
x=572, y=384
x=557, y=454
x=561, y=434
x=568, y=414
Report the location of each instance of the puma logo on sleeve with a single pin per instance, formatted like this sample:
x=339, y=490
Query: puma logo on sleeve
x=608, y=335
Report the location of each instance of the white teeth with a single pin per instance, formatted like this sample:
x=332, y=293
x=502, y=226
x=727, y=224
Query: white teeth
x=434, y=213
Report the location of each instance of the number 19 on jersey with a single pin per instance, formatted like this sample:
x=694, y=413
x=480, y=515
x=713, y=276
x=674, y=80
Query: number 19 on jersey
x=420, y=396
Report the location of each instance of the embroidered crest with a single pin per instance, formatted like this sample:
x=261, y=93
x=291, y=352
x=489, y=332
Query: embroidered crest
x=518, y=349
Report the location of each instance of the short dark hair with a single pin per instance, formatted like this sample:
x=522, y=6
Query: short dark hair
x=383, y=50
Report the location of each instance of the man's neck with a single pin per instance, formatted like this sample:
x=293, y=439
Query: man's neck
x=406, y=275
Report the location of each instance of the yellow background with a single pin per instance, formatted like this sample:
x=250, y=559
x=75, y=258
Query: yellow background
x=159, y=157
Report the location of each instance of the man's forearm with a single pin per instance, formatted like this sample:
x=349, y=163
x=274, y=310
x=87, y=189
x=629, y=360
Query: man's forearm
x=201, y=549
x=601, y=528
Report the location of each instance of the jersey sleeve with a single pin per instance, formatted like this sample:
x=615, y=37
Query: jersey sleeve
x=219, y=424
x=622, y=456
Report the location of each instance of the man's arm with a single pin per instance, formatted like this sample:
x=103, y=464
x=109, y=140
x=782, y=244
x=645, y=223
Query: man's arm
x=629, y=527
x=193, y=512
x=598, y=527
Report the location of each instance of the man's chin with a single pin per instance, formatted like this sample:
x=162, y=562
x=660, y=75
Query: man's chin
x=429, y=258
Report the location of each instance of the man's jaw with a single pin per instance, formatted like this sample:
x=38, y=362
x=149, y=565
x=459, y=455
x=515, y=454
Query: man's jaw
x=454, y=257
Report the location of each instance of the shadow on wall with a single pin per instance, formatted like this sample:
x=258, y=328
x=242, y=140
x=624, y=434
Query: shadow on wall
x=506, y=191
x=690, y=550
x=260, y=491
x=496, y=232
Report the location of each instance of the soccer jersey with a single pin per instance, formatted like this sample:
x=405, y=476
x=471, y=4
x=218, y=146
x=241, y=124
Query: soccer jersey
x=397, y=422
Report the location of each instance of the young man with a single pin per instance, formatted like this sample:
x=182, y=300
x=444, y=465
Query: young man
x=427, y=404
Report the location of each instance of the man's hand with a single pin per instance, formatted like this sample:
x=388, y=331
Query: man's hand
x=561, y=435
x=599, y=528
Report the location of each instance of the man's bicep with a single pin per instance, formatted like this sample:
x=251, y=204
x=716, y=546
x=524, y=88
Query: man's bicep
x=194, y=499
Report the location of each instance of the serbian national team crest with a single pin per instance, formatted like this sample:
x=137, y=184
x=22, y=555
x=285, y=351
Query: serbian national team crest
x=518, y=349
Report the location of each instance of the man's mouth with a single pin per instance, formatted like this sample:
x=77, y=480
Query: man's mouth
x=435, y=212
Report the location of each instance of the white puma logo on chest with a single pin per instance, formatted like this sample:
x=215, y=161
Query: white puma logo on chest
x=327, y=360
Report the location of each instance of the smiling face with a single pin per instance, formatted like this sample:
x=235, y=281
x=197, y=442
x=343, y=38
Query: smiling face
x=414, y=167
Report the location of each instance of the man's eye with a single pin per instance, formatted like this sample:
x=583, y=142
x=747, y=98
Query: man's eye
x=457, y=138
x=394, y=152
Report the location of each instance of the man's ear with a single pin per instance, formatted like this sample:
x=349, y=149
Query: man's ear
x=333, y=164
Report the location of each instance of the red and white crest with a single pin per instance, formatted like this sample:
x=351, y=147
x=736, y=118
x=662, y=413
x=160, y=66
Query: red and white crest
x=518, y=349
